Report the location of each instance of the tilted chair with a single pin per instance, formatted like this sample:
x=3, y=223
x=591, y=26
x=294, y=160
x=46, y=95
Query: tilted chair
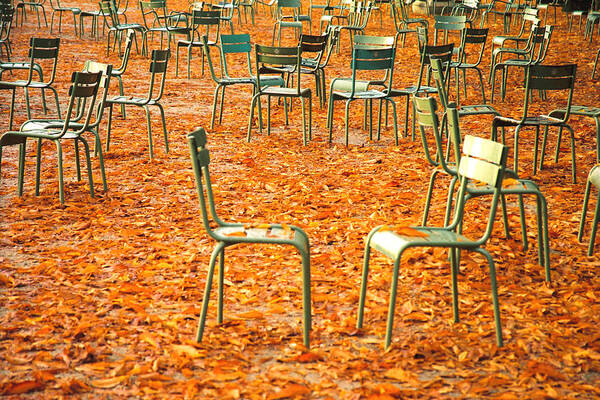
x=227, y=234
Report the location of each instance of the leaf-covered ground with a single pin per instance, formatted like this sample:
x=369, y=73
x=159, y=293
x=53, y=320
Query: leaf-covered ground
x=99, y=298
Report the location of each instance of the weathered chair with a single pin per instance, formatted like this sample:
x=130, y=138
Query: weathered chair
x=542, y=78
x=110, y=13
x=158, y=71
x=201, y=23
x=228, y=234
x=482, y=160
x=469, y=58
x=270, y=60
x=84, y=89
x=402, y=20
x=157, y=19
x=58, y=9
x=288, y=15
x=593, y=179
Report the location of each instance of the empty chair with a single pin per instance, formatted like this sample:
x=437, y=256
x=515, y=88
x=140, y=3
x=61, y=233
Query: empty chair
x=592, y=180
x=227, y=234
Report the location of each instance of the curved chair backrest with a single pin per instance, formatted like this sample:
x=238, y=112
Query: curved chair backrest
x=235, y=44
x=442, y=52
x=202, y=22
x=373, y=59
x=550, y=77
x=83, y=90
x=158, y=68
x=373, y=41
x=448, y=23
x=126, y=53
x=269, y=58
x=109, y=13
x=106, y=72
x=473, y=36
x=200, y=163
x=43, y=49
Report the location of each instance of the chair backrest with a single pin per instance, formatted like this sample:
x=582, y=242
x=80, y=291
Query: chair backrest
x=313, y=48
x=109, y=13
x=106, y=72
x=373, y=59
x=286, y=8
x=543, y=43
x=158, y=69
x=442, y=52
x=207, y=20
x=369, y=41
x=235, y=44
x=43, y=49
x=359, y=17
x=439, y=71
x=448, y=23
x=154, y=13
x=83, y=90
x=126, y=53
x=550, y=78
x=474, y=37
x=269, y=60
x=200, y=162
x=482, y=161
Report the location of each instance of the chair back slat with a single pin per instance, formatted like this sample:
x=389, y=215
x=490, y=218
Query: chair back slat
x=86, y=84
x=239, y=43
x=551, y=77
x=44, y=48
x=159, y=62
x=480, y=170
x=483, y=149
x=373, y=59
x=475, y=35
x=204, y=18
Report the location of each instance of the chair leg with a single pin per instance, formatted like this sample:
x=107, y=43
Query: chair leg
x=220, y=285
x=222, y=102
x=214, y=110
x=586, y=198
x=98, y=148
x=61, y=189
x=594, y=228
x=211, y=269
x=164, y=125
x=89, y=165
x=21, y=171
x=252, y=105
x=122, y=93
x=147, y=109
x=38, y=166
x=494, y=288
x=363, y=285
x=428, y=197
x=392, y=306
x=454, y=282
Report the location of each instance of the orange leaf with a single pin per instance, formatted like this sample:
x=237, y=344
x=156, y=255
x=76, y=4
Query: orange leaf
x=308, y=357
x=408, y=231
x=290, y=391
x=108, y=382
x=236, y=234
x=20, y=387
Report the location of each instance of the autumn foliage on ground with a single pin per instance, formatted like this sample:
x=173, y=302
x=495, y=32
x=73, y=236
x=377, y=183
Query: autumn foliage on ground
x=100, y=298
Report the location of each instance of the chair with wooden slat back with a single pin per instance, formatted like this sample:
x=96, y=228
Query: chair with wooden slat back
x=543, y=78
x=227, y=234
x=270, y=61
x=158, y=74
x=83, y=90
x=482, y=160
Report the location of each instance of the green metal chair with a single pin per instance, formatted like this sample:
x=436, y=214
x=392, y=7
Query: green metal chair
x=530, y=18
x=119, y=72
x=593, y=179
x=77, y=123
x=41, y=50
x=446, y=161
x=84, y=89
x=232, y=45
x=471, y=38
x=448, y=25
x=402, y=20
x=157, y=19
x=595, y=63
x=110, y=14
x=364, y=60
x=58, y=9
x=288, y=15
x=158, y=71
x=584, y=111
x=270, y=60
x=228, y=234
x=542, y=78
x=36, y=5
x=482, y=160
x=201, y=24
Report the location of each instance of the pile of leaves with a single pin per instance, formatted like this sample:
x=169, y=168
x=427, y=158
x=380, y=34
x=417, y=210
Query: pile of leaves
x=100, y=297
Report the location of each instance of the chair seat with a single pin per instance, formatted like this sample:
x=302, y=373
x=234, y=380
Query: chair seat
x=23, y=83
x=477, y=109
x=581, y=110
x=74, y=10
x=290, y=24
x=538, y=120
x=137, y=27
x=345, y=84
x=127, y=100
x=286, y=92
x=391, y=243
x=34, y=125
x=364, y=94
x=268, y=234
x=184, y=43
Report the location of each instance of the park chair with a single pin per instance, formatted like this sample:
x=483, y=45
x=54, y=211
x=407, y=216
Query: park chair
x=248, y=6
x=534, y=54
x=58, y=9
x=469, y=58
x=344, y=10
x=356, y=22
x=36, y=5
x=270, y=60
x=438, y=72
x=530, y=18
x=158, y=74
x=482, y=160
x=232, y=45
x=84, y=89
x=592, y=179
x=313, y=49
x=542, y=78
x=507, y=9
x=109, y=12
x=554, y=4
x=77, y=122
x=157, y=19
x=41, y=51
x=365, y=60
x=227, y=10
x=448, y=25
x=445, y=161
x=402, y=20
x=288, y=15
x=228, y=234
x=584, y=111
x=201, y=24
x=119, y=72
